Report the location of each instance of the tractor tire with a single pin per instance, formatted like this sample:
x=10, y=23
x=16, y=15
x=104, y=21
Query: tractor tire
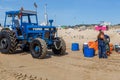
x=38, y=48
x=8, y=42
x=62, y=49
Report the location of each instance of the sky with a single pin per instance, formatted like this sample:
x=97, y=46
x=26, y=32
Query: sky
x=68, y=12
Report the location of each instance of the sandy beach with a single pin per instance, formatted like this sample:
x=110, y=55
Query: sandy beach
x=72, y=66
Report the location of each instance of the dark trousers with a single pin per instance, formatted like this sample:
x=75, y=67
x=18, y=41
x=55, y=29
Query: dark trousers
x=102, y=52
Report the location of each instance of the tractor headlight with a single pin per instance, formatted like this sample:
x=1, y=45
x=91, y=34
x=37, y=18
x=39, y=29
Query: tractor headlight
x=53, y=34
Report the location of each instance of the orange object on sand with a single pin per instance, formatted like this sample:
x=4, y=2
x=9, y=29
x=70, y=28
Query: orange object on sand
x=93, y=44
x=111, y=47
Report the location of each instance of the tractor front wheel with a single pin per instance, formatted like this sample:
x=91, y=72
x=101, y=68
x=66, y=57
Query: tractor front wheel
x=59, y=46
x=38, y=48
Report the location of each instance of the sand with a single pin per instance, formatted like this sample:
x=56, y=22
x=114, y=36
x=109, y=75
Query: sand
x=72, y=66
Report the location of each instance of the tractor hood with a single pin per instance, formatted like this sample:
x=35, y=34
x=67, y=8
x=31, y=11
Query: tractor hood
x=38, y=29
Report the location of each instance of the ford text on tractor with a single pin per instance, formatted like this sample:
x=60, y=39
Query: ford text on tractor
x=21, y=29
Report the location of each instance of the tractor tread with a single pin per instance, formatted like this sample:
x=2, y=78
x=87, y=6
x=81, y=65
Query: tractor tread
x=12, y=39
x=43, y=46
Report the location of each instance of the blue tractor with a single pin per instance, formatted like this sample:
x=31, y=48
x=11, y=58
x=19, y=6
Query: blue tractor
x=21, y=29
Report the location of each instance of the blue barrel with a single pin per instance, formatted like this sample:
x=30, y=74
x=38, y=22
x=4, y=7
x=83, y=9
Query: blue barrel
x=88, y=52
x=85, y=45
x=75, y=47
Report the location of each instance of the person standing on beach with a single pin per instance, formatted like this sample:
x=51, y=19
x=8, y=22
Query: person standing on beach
x=102, y=45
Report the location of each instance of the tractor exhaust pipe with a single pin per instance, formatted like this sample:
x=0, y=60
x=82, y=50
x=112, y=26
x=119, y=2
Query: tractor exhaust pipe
x=50, y=21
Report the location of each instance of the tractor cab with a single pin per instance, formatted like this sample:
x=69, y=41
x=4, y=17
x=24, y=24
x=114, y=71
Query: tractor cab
x=18, y=20
x=25, y=24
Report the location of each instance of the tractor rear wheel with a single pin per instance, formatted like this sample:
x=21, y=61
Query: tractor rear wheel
x=59, y=46
x=38, y=48
x=8, y=42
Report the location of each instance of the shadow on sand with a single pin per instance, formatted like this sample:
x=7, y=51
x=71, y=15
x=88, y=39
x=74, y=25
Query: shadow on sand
x=49, y=53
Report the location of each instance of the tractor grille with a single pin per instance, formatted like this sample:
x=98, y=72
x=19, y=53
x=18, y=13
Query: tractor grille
x=47, y=35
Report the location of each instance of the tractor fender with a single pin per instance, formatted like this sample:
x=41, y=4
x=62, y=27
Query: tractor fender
x=7, y=28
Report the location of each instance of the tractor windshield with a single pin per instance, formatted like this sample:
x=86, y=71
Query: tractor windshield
x=29, y=19
x=19, y=18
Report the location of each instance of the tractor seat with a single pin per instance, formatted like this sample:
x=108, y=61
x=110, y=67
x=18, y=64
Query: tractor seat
x=17, y=25
x=16, y=22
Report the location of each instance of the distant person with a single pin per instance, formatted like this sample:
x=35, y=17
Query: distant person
x=0, y=24
x=103, y=46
